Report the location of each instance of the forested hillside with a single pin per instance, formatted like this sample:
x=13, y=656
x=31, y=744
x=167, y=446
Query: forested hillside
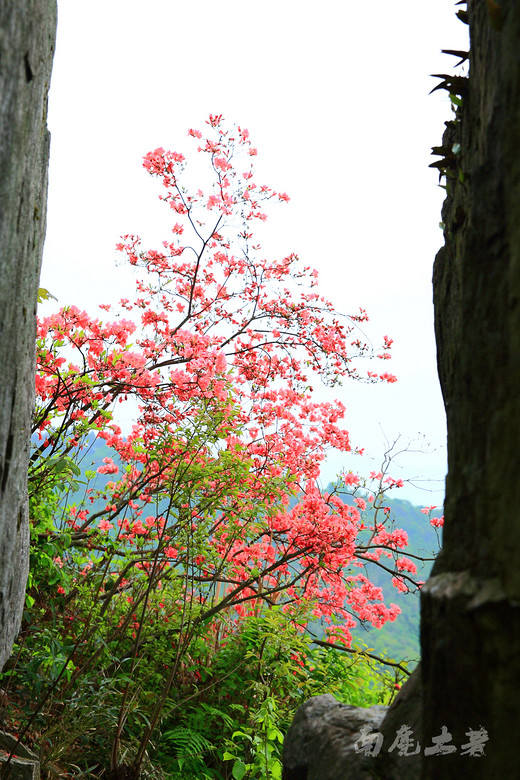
x=400, y=639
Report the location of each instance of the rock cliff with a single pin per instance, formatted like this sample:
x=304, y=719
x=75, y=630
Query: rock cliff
x=27, y=38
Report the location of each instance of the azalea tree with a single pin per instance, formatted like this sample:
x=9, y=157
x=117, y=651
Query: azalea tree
x=207, y=513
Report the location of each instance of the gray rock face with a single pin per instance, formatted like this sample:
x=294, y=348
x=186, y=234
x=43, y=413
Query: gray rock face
x=22, y=768
x=321, y=743
x=24, y=764
x=27, y=36
x=325, y=739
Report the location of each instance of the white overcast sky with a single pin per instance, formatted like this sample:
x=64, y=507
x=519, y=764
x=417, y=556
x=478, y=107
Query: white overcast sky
x=335, y=96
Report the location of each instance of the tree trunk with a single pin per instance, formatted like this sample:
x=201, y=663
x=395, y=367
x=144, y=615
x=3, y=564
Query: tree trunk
x=27, y=38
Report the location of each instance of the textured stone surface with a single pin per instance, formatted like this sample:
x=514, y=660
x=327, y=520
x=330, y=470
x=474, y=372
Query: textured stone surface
x=406, y=710
x=320, y=743
x=21, y=768
x=8, y=743
x=27, y=35
x=471, y=605
x=24, y=764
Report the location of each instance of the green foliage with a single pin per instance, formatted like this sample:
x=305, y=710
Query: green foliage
x=45, y=295
x=184, y=747
x=260, y=744
x=234, y=688
x=48, y=484
x=247, y=695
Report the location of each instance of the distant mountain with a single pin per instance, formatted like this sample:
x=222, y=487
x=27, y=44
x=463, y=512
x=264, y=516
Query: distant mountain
x=400, y=640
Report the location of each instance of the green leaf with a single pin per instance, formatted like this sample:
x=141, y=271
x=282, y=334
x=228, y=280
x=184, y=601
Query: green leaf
x=457, y=101
x=239, y=770
x=44, y=295
x=241, y=734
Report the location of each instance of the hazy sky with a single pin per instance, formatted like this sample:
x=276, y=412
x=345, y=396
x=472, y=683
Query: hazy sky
x=335, y=97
